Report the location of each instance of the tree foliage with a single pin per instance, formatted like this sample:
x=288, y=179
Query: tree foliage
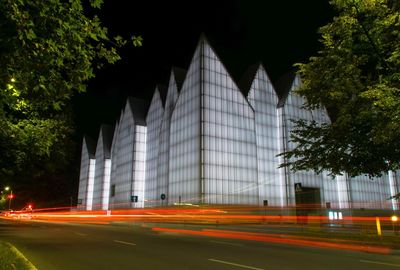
x=356, y=77
x=48, y=51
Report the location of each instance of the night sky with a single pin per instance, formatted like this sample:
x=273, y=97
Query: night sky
x=243, y=32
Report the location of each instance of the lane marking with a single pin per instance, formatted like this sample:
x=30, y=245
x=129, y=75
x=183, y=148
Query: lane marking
x=125, y=243
x=80, y=234
x=227, y=243
x=236, y=264
x=381, y=263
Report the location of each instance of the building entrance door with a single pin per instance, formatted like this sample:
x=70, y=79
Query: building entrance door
x=308, y=202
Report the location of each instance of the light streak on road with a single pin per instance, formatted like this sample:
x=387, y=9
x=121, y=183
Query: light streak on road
x=381, y=263
x=125, y=243
x=80, y=234
x=277, y=239
x=236, y=264
x=224, y=215
x=227, y=243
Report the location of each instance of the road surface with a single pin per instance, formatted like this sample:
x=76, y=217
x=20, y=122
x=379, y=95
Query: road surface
x=59, y=246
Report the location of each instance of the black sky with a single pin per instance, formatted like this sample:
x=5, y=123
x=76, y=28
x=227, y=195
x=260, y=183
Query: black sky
x=243, y=32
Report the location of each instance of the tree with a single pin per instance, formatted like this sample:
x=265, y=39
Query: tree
x=356, y=77
x=48, y=52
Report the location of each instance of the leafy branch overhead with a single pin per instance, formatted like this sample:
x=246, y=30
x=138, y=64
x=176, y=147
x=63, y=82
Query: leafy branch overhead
x=48, y=51
x=356, y=77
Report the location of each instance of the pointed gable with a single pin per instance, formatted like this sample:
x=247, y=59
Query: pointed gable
x=263, y=98
x=216, y=74
x=261, y=90
x=172, y=95
x=153, y=120
x=184, y=155
x=156, y=107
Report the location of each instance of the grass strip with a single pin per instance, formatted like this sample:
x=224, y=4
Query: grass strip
x=12, y=259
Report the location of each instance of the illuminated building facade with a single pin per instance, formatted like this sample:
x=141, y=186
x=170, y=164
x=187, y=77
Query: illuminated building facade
x=86, y=179
x=128, y=153
x=102, y=172
x=208, y=140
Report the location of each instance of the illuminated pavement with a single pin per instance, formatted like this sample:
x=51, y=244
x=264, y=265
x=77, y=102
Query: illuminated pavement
x=77, y=246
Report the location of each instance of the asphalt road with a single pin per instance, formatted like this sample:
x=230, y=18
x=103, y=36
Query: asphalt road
x=51, y=246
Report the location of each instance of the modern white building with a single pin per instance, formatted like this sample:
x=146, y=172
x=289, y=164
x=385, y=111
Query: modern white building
x=208, y=140
x=86, y=179
x=128, y=157
x=102, y=175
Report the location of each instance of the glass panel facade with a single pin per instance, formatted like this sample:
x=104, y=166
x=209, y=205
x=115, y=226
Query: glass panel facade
x=139, y=166
x=394, y=188
x=293, y=110
x=343, y=192
x=99, y=173
x=106, y=185
x=83, y=176
x=229, y=153
x=184, y=155
x=370, y=193
x=124, y=161
x=90, y=185
x=209, y=144
x=153, y=120
x=263, y=99
x=115, y=160
x=101, y=185
x=164, y=138
x=282, y=144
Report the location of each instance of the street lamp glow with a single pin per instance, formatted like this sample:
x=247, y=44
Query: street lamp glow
x=10, y=196
x=394, y=218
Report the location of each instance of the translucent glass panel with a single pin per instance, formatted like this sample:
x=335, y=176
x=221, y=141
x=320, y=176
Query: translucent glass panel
x=263, y=98
x=164, y=137
x=90, y=184
x=153, y=120
x=139, y=166
x=343, y=192
x=83, y=176
x=124, y=161
x=99, y=174
x=370, y=193
x=293, y=111
x=282, y=172
x=394, y=188
x=106, y=185
x=184, y=155
x=114, y=158
x=229, y=155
